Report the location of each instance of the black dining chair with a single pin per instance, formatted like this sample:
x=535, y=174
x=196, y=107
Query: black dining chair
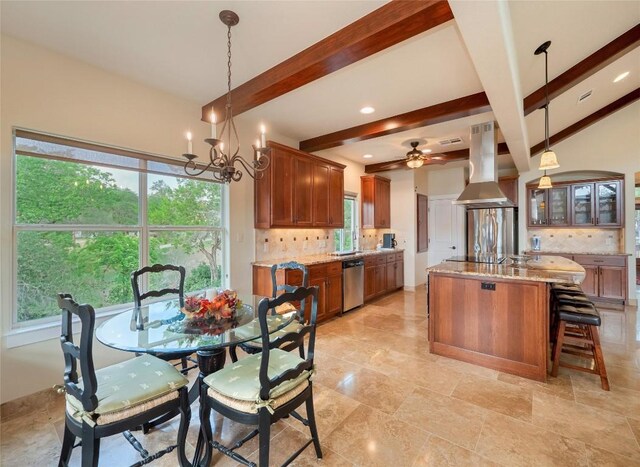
x=115, y=399
x=263, y=388
x=138, y=298
x=255, y=346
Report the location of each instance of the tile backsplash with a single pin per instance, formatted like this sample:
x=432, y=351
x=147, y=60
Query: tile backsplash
x=577, y=240
x=284, y=243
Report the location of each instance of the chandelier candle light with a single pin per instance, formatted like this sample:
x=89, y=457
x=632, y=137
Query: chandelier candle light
x=221, y=164
x=548, y=160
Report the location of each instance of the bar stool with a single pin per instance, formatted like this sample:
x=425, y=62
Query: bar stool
x=577, y=334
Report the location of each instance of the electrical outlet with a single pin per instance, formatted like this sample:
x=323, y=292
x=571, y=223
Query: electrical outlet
x=240, y=237
x=323, y=243
x=265, y=247
x=283, y=246
x=608, y=241
x=305, y=245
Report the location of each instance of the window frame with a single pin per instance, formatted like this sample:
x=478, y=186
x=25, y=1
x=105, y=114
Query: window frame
x=355, y=223
x=143, y=229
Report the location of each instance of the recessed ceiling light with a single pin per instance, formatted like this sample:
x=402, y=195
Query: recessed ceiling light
x=367, y=110
x=621, y=76
x=368, y=156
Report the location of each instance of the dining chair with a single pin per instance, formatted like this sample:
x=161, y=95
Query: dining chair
x=158, y=270
x=263, y=388
x=115, y=399
x=255, y=346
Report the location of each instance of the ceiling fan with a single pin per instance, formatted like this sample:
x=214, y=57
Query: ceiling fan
x=417, y=158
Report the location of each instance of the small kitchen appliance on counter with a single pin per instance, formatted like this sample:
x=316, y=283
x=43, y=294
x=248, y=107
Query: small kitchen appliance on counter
x=389, y=240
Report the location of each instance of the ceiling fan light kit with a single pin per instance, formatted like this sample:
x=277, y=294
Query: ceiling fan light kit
x=548, y=160
x=221, y=164
x=416, y=158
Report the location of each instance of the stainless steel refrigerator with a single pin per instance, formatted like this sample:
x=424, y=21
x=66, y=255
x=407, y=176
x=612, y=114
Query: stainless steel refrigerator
x=492, y=231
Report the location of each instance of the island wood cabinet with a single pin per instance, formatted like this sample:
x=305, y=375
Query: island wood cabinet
x=496, y=323
x=376, y=202
x=383, y=273
x=327, y=277
x=299, y=190
x=582, y=204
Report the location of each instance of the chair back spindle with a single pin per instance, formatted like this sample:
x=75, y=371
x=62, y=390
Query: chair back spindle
x=299, y=294
x=157, y=269
x=288, y=287
x=86, y=393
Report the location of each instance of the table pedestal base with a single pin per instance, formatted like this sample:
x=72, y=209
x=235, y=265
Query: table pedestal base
x=209, y=361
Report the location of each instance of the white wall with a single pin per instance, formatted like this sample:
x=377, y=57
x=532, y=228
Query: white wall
x=612, y=144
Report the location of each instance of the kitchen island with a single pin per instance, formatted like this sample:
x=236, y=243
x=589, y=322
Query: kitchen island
x=496, y=315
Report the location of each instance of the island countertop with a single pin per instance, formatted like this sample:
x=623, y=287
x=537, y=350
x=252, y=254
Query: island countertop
x=538, y=268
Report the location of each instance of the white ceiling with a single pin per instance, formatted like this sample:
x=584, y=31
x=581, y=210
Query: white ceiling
x=180, y=47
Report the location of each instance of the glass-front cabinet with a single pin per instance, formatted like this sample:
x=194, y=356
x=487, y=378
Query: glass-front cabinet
x=537, y=207
x=582, y=204
x=608, y=203
x=577, y=204
x=559, y=206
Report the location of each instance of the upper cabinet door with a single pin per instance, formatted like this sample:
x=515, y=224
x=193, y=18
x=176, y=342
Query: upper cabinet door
x=321, y=195
x=336, y=197
x=282, y=188
x=559, y=206
x=609, y=203
x=537, y=207
x=382, y=203
x=582, y=201
x=302, y=195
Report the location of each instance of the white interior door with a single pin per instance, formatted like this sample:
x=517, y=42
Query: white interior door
x=446, y=228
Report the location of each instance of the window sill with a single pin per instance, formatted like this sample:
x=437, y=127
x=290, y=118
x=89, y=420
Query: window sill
x=18, y=337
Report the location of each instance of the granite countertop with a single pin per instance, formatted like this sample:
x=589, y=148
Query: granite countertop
x=310, y=260
x=531, y=252
x=539, y=269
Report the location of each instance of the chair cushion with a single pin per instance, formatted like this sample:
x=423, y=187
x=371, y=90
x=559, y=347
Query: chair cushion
x=240, y=380
x=294, y=326
x=134, y=385
x=251, y=406
x=579, y=314
x=572, y=297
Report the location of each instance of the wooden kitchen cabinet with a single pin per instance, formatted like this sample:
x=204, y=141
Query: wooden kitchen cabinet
x=584, y=204
x=399, y=274
x=606, y=276
x=383, y=273
x=369, y=282
x=327, y=277
x=376, y=202
x=299, y=190
x=509, y=186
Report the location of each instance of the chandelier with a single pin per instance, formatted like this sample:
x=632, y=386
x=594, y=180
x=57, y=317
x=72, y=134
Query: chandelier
x=225, y=166
x=548, y=160
x=415, y=157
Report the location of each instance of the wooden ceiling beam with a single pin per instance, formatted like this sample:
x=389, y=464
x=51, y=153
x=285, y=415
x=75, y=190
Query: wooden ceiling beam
x=587, y=67
x=450, y=156
x=390, y=24
x=589, y=120
x=443, y=112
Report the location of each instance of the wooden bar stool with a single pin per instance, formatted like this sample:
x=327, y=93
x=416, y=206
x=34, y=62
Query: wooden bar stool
x=577, y=334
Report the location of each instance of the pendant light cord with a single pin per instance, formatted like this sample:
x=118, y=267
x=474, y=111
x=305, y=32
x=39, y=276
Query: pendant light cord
x=546, y=106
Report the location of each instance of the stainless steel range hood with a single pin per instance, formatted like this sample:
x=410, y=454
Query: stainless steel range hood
x=483, y=190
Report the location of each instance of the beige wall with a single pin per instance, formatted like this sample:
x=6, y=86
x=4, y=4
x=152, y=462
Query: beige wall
x=612, y=144
x=48, y=92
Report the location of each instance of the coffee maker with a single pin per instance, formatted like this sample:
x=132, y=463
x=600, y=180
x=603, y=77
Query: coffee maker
x=389, y=240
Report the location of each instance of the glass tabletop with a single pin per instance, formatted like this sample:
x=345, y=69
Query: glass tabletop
x=161, y=327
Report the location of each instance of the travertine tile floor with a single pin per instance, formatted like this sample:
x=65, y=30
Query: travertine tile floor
x=382, y=399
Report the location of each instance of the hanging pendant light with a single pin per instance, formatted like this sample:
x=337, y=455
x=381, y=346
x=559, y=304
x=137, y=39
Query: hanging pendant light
x=545, y=182
x=548, y=160
x=228, y=167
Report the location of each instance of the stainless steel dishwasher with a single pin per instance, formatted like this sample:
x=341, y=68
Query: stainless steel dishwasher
x=352, y=284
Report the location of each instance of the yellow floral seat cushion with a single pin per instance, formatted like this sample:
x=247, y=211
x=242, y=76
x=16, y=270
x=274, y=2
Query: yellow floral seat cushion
x=238, y=385
x=129, y=388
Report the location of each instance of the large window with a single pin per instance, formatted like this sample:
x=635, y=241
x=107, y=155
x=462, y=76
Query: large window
x=86, y=216
x=346, y=239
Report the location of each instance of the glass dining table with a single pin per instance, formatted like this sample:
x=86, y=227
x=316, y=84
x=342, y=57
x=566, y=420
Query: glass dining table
x=160, y=328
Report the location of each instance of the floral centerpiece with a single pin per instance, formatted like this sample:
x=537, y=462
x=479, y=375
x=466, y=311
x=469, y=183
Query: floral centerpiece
x=206, y=316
